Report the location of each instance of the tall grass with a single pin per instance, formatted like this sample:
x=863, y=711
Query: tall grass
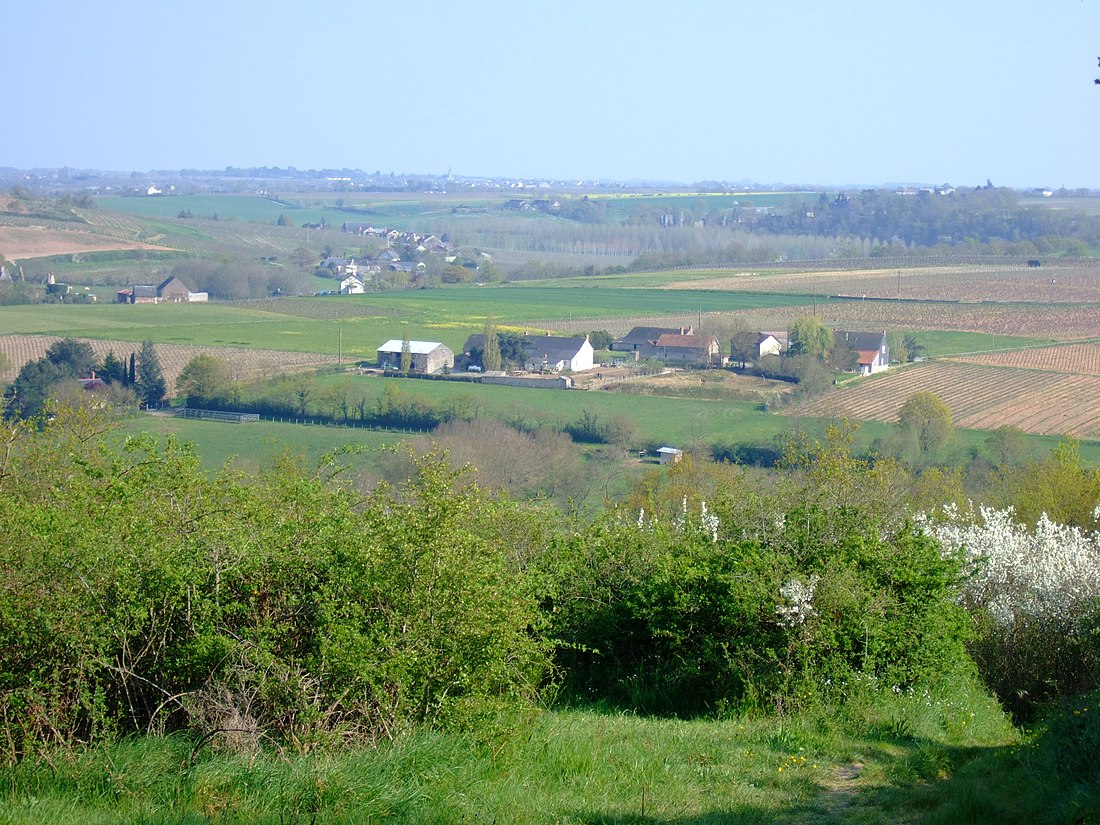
x=869, y=762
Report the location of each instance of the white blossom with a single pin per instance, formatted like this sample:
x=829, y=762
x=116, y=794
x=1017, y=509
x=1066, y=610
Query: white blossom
x=709, y=521
x=1047, y=572
x=800, y=601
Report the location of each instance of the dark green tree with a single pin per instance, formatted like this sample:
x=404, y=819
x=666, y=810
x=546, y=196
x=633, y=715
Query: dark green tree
x=913, y=349
x=149, y=382
x=37, y=380
x=600, y=339
x=75, y=357
x=113, y=370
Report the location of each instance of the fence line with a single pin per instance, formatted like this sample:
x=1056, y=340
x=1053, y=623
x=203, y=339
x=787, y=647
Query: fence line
x=216, y=415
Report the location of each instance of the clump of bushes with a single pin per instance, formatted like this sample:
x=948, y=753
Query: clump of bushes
x=139, y=594
x=684, y=616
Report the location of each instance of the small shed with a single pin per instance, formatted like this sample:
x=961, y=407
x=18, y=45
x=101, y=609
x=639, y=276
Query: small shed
x=669, y=455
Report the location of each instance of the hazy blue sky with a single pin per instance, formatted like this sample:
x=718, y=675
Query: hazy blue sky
x=836, y=92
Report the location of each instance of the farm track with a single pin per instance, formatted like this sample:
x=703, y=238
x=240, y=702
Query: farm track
x=243, y=363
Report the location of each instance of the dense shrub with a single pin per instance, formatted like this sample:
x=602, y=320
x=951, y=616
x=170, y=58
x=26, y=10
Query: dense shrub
x=136, y=593
x=681, y=616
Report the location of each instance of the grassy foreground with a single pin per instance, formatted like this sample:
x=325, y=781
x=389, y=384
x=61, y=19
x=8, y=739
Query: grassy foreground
x=924, y=756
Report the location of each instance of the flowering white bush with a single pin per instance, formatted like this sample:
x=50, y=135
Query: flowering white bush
x=708, y=522
x=1047, y=572
x=800, y=601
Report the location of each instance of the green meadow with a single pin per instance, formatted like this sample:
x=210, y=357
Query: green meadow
x=315, y=324
x=253, y=446
x=447, y=315
x=244, y=208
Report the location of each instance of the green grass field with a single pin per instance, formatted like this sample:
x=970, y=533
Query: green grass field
x=300, y=324
x=252, y=446
x=939, y=343
x=245, y=208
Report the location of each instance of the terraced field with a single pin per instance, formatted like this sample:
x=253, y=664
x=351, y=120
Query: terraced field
x=980, y=396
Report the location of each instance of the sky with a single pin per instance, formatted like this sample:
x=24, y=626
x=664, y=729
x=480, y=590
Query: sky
x=845, y=92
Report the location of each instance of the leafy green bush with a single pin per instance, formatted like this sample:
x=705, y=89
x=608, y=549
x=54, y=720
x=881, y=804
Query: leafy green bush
x=676, y=617
x=139, y=594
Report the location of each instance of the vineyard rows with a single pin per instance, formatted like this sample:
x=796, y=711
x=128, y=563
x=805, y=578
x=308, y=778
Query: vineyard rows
x=980, y=397
x=244, y=364
x=1081, y=359
x=1064, y=407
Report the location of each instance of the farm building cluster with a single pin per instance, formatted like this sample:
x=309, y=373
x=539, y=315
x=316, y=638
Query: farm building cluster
x=675, y=347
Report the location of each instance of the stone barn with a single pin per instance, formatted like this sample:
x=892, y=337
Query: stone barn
x=427, y=356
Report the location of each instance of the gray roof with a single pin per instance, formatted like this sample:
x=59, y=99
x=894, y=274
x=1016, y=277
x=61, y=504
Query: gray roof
x=860, y=340
x=552, y=348
x=642, y=335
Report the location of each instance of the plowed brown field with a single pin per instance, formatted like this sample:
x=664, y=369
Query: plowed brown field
x=1056, y=323
x=1052, y=282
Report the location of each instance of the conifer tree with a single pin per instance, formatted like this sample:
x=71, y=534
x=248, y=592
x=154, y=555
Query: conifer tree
x=149, y=380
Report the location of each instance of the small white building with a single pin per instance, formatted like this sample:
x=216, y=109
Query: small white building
x=770, y=343
x=547, y=353
x=352, y=285
x=669, y=455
